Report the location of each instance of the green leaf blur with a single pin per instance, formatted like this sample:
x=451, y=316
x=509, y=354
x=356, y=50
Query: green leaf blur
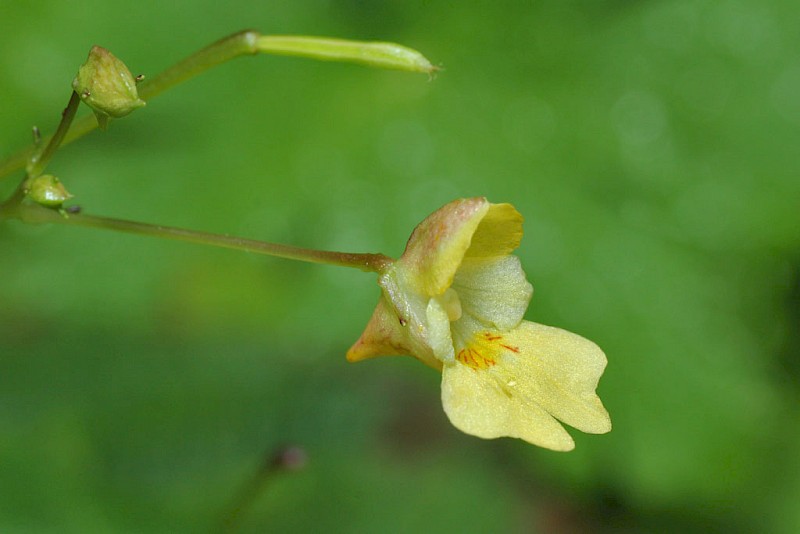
x=651, y=147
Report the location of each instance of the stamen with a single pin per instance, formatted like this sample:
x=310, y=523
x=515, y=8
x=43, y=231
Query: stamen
x=483, y=352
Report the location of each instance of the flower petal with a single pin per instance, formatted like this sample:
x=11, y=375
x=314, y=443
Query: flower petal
x=517, y=383
x=477, y=404
x=439, y=337
x=559, y=371
x=438, y=244
x=471, y=228
x=499, y=233
x=383, y=336
x=494, y=291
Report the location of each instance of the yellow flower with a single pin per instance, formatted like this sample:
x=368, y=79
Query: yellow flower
x=455, y=300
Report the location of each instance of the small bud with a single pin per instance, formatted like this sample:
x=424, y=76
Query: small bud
x=48, y=190
x=106, y=85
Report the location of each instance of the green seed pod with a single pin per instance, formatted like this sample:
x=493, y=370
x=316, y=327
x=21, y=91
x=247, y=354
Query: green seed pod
x=372, y=53
x=47, y=190
x=106, y=85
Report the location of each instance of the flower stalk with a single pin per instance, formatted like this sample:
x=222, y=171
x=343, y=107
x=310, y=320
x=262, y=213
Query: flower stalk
x=39, y=159
x=35, y=214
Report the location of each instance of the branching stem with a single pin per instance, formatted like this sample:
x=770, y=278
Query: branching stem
x=249, y=42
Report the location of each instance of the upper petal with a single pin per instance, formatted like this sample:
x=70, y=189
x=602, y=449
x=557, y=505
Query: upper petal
x=438, y=244
x=471, y=228
x=498, y=234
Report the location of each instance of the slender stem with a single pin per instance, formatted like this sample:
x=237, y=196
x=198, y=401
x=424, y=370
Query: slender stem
x=246, y=497
x=39, y=161
x=80, y=127
x=40, y=157
x=8, y=206
x=219, y=52
x=386, y=55
x=33, y=213
x=225, y=49
x=286, y=459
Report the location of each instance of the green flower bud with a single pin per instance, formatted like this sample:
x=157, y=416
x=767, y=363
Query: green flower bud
x=47, y=190
x=106, y=85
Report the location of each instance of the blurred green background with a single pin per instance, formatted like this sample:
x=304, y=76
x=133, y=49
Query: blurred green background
x=651, y=146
